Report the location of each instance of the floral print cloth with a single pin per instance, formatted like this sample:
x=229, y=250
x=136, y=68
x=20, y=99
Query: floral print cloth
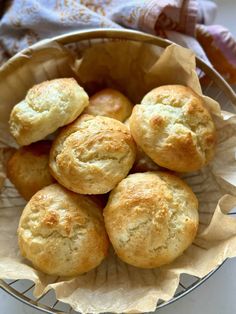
x=187, y=22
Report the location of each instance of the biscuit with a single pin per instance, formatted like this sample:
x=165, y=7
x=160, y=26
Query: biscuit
x=28, y=168
x=46, y=107
x=174, y=129
x=62, y=233
x=142, y=163
x=151, y=218
x=92, y=155
x=109, y=103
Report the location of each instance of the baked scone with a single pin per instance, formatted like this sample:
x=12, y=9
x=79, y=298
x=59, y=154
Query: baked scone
x=151, y=218
x=28, y=168
x=46, y=107
x=142, y=163
x=174, y=129
x=110, y=103
x=62, y=233
x=93, y=154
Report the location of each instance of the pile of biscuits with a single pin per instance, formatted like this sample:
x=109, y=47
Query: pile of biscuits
x=111, y=174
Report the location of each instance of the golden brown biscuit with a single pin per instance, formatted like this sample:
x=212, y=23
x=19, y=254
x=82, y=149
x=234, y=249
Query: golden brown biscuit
x=46, y=107
x=62, y=233
x=142, y=163
x=93, y=154
x=110, y=103
x=28, y=168
x=174, y=129
x=151, y=218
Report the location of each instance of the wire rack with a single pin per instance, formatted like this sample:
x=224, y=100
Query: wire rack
x=216, y=87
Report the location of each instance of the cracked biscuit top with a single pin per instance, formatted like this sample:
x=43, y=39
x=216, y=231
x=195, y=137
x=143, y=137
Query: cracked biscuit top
x=174, y=129
x=62, y=233
x=46, y=107
x=151, y=218
x=92, y=155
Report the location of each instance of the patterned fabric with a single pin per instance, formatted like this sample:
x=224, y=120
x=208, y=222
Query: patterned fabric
x=24, y=22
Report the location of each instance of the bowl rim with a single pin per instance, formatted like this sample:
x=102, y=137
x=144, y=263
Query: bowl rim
x=122, y=34
x=119, y=34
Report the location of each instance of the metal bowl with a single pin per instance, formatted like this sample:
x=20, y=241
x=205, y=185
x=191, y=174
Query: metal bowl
x=216, y=88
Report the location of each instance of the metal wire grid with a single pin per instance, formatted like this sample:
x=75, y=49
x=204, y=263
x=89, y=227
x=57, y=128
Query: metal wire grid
x=215, y=87
x=23, y=291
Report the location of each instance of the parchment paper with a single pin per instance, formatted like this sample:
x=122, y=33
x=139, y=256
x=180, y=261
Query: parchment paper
x=134, y=69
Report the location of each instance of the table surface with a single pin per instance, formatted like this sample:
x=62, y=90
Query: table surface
x=217, y=294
